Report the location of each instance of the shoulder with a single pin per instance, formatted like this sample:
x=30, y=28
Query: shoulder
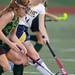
x=41, y=6
x=7, y=17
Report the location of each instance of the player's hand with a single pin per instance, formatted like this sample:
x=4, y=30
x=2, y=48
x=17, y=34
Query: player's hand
x=14, y=47
x=41, y=41
x=46, y=39
x=23, y=50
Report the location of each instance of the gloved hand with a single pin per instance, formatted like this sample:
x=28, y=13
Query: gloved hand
x=46, y=38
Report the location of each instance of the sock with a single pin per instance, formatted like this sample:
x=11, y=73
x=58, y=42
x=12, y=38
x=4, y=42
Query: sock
x=18, y=69
x=33, y=38
x=1, y=70
x=38, y=47
x=43, y=71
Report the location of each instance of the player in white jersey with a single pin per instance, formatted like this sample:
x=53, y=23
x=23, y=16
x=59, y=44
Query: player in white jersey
x=31, y=14
x=25, y=22
x=37, y=37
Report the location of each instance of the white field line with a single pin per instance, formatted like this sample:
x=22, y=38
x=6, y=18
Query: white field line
x=65, y=59
x=68, y=60
x=28, y=72
x=31, y=72
x=69, y=50
x=38, y=73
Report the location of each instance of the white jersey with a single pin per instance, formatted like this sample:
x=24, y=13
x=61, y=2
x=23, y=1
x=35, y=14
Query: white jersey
x=31, y=14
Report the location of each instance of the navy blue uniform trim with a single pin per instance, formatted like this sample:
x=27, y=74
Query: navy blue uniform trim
x=35, y=24
x=20, y=30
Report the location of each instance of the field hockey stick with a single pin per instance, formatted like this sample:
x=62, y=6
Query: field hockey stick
x=51, y=20
x=38, y=63
x=64, y=17
x=61, y=18
x=59, y=63
x=34, y=60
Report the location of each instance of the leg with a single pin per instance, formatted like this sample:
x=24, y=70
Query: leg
x=18, y=60
x=31, y=51
x=38, y=39
x=1, y=70
x=4, y=62
x=38, y=47
x=18, y=69
x=33, y=38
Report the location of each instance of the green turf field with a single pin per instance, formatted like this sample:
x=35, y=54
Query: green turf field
x=61, y=3
x=62, y=38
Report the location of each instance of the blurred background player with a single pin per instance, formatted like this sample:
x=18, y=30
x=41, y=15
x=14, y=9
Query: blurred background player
x=37, y=37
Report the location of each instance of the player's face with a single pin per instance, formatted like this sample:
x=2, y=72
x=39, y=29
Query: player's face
x=26, y=2
x=20, y=12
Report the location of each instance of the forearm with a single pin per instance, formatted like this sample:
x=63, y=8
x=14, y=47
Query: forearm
x=14, y=38
x=51, y=16
x=5, y=39
x=42, y=25
x=43, y=28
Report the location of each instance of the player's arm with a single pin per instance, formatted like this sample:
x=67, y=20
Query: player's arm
x=51, y=16
x=60, y=18
x=15, y=39
x=42, y=27
x=4, y=20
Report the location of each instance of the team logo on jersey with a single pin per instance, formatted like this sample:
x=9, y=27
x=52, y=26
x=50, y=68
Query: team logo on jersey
x=31, y=12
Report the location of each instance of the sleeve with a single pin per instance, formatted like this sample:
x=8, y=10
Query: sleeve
x=42, y=9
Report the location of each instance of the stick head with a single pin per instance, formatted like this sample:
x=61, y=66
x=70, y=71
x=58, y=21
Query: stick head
x=65, y=16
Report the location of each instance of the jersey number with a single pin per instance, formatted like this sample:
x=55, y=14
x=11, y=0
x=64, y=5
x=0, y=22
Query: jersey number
x=27, y=19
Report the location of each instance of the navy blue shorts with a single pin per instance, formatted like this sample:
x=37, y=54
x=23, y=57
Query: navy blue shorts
x=4, y=48
x=22, y=29
x=35, y=24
